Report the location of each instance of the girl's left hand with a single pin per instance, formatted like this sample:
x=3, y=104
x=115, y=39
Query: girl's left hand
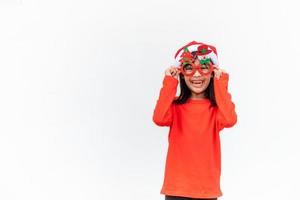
x=218, y=72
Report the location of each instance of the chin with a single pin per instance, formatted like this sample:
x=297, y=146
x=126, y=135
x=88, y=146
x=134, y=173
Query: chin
x=197, y=90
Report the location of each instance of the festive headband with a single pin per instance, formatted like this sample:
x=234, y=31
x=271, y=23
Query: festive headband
x=203, y=51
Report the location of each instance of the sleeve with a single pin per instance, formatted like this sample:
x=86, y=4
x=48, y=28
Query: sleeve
x=163, y=113
x=226, y=115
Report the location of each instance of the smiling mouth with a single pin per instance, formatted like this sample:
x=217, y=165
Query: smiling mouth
x=197, y=83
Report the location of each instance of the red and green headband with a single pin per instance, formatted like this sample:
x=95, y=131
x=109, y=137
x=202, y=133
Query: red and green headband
x=204, y=52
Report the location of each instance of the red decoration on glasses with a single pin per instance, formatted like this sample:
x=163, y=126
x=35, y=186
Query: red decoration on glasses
x=197, y=67
x=203, y=50
x=186, y=57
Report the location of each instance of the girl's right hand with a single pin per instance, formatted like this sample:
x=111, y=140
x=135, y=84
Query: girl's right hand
x=172, y=71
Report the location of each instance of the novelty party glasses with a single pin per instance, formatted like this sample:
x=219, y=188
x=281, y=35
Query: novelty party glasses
x=189, y=69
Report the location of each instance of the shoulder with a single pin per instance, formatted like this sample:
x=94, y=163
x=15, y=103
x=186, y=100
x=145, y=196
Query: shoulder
x=175, y=98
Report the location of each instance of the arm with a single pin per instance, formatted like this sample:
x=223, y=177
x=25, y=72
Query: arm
x=226, y=115
x=163, y=114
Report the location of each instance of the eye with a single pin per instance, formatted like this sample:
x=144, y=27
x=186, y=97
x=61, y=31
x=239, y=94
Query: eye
x=204, y=67
x=187, y=67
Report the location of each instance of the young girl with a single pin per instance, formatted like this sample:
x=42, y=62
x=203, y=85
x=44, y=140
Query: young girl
x=195, y=118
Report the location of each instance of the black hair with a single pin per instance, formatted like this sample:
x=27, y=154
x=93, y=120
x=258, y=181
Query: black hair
x=185, y=92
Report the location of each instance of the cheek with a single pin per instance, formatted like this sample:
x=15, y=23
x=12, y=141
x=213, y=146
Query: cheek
x=188, y=83
x=208, y=81
x=208, y=78
x=186, y=79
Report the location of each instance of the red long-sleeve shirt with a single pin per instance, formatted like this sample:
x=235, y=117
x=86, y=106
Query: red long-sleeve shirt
x=193, y=162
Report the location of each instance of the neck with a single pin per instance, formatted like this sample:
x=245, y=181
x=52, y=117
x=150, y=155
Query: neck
x=198, y=96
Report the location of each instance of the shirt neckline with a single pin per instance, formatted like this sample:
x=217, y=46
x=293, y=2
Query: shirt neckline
x=190, y=100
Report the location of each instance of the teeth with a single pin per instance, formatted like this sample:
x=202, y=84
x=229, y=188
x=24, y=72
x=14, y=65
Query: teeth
x=197, y=82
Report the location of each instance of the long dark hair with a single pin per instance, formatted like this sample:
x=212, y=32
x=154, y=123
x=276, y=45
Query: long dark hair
x=185, y=92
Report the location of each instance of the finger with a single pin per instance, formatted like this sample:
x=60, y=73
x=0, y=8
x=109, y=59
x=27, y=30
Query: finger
x=218, y=74
x=174, y=72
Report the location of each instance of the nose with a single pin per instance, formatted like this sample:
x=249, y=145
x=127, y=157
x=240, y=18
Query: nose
x=197, y=73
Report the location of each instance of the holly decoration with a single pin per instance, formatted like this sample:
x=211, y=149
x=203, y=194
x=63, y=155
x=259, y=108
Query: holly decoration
x=204, y=61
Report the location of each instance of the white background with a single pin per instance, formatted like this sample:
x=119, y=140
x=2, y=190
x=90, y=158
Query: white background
x=79, y=81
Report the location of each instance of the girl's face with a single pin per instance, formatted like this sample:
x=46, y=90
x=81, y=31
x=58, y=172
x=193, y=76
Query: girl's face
x=197, y=83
